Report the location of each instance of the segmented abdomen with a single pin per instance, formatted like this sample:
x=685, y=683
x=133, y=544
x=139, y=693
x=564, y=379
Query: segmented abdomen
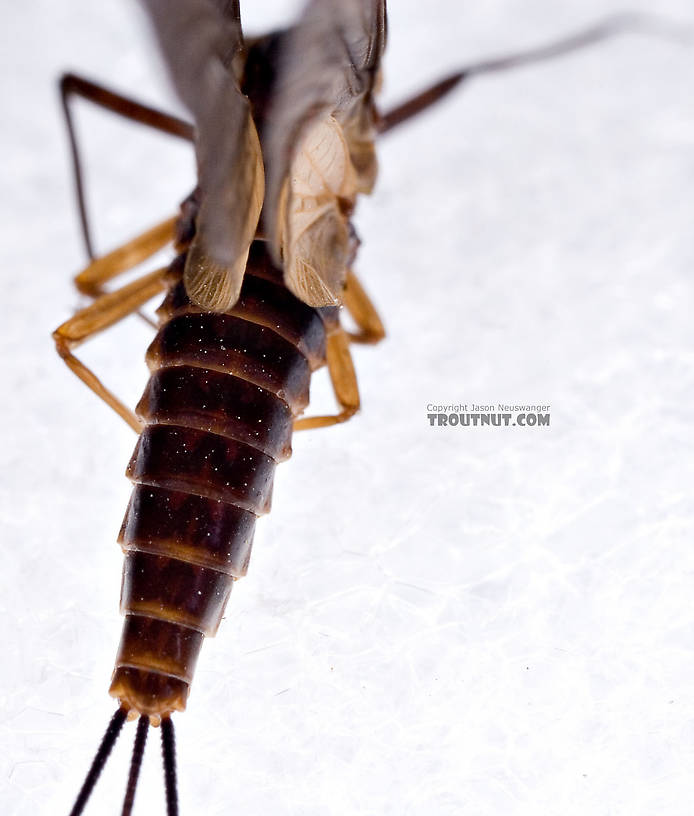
x=218, y=412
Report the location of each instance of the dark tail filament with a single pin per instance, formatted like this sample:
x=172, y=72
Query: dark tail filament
x=168, y=749
x=102, y=754
x=168, y=745
x=135, y=764
x=610, y=27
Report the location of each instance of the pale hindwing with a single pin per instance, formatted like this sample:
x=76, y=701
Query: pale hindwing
x=314, y=232
x=360, y=134
x=319, y=141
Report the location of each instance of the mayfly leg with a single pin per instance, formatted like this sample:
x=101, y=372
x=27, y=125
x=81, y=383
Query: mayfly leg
x=362, y=311
x=110, y=307
x=592, y=35
x=99, y=315
x=339, y=358
x=344, y=382
x=89, y=281
x=73, y=85
x=124, y=258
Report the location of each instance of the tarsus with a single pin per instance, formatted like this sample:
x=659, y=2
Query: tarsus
x=100, y=758
x=168, y=749
x=617, y=24
x=135, y=764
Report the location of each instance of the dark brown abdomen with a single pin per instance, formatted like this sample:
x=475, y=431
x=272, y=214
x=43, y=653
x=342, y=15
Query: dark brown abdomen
x=218, y=412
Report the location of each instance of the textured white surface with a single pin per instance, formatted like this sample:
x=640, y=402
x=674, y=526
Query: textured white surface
x=436, y=621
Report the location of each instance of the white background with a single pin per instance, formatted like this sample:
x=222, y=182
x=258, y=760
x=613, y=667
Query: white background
x=436, y=621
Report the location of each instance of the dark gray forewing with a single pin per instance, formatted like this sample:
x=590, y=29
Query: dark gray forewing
x=329, y=62
x=201, y=40
x=231, y=12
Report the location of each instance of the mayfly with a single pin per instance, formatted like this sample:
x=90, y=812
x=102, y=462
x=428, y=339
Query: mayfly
x=284, y=132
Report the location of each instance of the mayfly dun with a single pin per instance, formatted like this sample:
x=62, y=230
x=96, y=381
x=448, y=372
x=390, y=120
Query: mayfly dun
x=284, y=131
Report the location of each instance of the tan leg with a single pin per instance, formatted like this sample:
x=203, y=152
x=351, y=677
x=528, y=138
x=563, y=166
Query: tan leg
x=359, y=305
x=104, y=312
x=91, y=279
x=344, y=380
